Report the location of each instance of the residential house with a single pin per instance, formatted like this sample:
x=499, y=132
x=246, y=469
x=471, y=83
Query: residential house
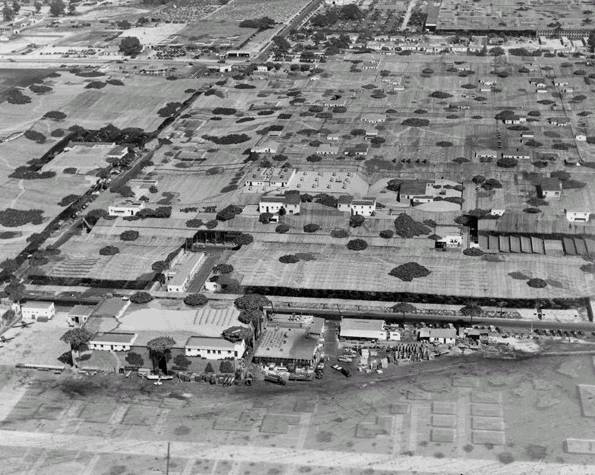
x=549, y=189
x=38, y=311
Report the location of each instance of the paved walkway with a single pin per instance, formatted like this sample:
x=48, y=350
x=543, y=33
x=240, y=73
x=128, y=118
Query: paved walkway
x=285, y=456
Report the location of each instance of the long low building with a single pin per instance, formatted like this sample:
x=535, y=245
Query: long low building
x=293, y=348
x=181, y=273
x=214, y=348
x=362, y=329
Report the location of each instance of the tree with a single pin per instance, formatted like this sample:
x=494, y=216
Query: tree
x=471, y=310
x=134, y=359
x=38, y=6
x=7, y=13
x=129, y=235
x=195, y=300
x=223, y=268
x=130, y=45
x=387, y=233
x=404, y=307
x=160, y=351
x=77, y=338
x=71, y=8
x=282, y=228
x=409, y=271
x=265, y=218
x=229, y=212
x=281, y=44
x=57, y=8
x=16, y=6
x=209, y=368
x=182, y=362
x=243, y=239
x=141, y=297
x=311, y=228
x=237, y=333
x=357, y=245
x=591, y=41
x=15, y=290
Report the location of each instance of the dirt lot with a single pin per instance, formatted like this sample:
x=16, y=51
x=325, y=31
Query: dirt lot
x=436, y=418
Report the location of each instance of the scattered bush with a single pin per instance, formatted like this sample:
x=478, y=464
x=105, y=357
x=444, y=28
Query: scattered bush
x=229, y=212
x=114, y=82
x=39, y=88
x=491, y=184
x=387, y=233
x=35, y=136
x=282, y=228
x=440, y=95
x=243, y=239
x=473, y=251
x=311, y=228
x=212, y=224
x=15, y=96
x=409, y=271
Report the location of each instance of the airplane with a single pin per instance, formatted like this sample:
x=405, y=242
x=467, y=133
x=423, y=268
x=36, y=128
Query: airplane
x=3, y=339
x=24, y=325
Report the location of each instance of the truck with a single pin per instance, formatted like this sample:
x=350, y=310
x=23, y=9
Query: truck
x=275, y=378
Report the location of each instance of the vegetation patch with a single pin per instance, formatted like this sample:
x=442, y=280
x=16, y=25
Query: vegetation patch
x=357, y=245
x=227, y=139
x=407, y=227
x=37, y=137
x=109, y=251
x=537, y=283
x=129, y=235
x=415, y=122
x=15, y=96
x=13, y=218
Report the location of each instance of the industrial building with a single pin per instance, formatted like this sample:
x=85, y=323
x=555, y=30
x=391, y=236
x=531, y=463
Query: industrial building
x=289, y=202
x=292, y=348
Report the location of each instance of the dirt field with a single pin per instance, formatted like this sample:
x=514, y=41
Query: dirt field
x=504, y=417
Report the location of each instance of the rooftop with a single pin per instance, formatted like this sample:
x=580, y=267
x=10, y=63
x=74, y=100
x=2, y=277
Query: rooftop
x=185, y=267
x=82, y=310
x=286, y=343
x=206, y=342
x=361, y=324
x=41, y=305
x=114, y=337
x=111, y=307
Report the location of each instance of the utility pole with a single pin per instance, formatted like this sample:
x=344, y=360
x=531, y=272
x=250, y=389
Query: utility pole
x=167, y=460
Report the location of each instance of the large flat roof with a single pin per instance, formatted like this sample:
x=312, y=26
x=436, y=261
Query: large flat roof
x=185, y=268
x=361, y=324
x=286, y=343
x=111, y=306
x=210, y=343
x=113, y=337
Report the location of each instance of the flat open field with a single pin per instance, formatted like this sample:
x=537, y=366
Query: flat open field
x=491, y=416
x=335, y=267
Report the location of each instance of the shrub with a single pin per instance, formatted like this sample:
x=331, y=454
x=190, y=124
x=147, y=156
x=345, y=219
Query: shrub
x=282, y=228
x=95, y=85
x=289, y=259
x=415, y=122
x=406, y=227
x=212, y=224
x=357, y=245
x=326, y=200
x=129, y=235
x=537, y=283
x=224, y=111
x=339, y=233
x=227, y=139
x=68, y=200
x=387, y=233
x=409, y=271
x=109, y=251
x=181, y=362
x=265, y=218
x=39, y=88
x=311, y=228
x=507, y=162
x=35, y=136
x=473, y=251
x=195, y=300
x=141, y=297
x=194, y=223
x=356, y=220
x=13, y=218
x=226, y=367
x=223, y=268
x=229, y=212
x=491, y=184
x=440, y=95
x=55, y=115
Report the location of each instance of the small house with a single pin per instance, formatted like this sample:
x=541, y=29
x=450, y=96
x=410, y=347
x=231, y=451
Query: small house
x=126, y=208
x=578, y=216
x=289, y=203
x=214, y=348
x=112, y=341
x=38, y=311
x=79, y=314
x=549, y=188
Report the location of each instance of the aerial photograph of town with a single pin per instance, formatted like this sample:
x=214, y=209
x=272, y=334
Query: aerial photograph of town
x=269, y=237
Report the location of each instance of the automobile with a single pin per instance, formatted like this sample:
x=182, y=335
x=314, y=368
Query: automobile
x=345, y=359
x=336, y=367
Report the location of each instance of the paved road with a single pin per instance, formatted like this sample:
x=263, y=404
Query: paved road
x=411, y=317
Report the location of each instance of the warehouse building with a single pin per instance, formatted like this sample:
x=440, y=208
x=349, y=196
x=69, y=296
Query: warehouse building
x=362, y=329
x=291, y=348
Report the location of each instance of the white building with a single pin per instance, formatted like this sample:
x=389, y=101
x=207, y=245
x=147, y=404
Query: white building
x=290, y=202
x=273, y=177
x=578, y=216
x=267, y=147
x=182, y=271
x=550, y=188
x=126, y=208
x=360, y=328
x=33, y=311
x=118, y=152
x=327, y=149
x=214, y=348
x=437, y=335
x=112, y=341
